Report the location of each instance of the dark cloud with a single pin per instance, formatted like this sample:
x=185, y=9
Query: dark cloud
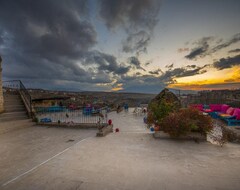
x=234, y=51
x=138, y=17
x=196, y=52
x=1, y=38
x=136, y=42
x=53, y=40
x=134, y=13
x=149, y=82
x=147, y=63
x=45, y=31
x=135, y=62
x=201, y=49
x=156, y=72
x=48, y=29
x=138, y=73
x=233, y=40
x=106, y=62
x=228, y=62
x=191, y=66
x=170, y=66
x=170, y=74
x=1, y=41
x=154, y=83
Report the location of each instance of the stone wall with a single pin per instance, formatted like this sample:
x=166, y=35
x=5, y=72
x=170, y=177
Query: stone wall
x=1, y=90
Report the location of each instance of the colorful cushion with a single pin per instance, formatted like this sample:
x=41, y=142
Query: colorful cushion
x=224, y=115
x=215, y=107
x=230, y=111
x=236, y=113
x=224, y=108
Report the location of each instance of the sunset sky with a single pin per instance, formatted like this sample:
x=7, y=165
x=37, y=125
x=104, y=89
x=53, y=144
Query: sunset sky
x=126, y=45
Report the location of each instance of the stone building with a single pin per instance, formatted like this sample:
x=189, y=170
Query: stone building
x=1, y=90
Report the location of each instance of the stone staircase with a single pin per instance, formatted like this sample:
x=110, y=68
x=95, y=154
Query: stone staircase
x=14, y=107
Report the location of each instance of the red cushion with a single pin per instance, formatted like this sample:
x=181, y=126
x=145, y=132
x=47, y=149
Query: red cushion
x=230, y=111
x=215, y=107
x=236, y=113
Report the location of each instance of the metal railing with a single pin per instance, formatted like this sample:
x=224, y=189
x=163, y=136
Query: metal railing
x=46, y=115
x=17, y=85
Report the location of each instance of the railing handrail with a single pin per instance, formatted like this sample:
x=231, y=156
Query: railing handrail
x=22, y=85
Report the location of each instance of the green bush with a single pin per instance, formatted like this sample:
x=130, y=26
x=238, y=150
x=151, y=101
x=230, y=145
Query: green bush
x=158, y=111
x=184, y=121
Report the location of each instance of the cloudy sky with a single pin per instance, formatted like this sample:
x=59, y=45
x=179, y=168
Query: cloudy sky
x=126, y=45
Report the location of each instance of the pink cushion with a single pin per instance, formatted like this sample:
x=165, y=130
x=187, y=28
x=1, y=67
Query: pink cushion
x=230, y=111
x=236, y=113
x=224, y=108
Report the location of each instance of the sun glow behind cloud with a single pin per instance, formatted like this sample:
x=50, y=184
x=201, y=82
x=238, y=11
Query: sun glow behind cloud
x=223, y=79
x=118, y=87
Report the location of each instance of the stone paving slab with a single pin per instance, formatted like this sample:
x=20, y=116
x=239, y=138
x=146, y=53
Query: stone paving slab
x=23, y=149
x=126, y=160
x=9, y=126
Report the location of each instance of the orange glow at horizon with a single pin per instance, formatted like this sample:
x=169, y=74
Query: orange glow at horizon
x=223, y=79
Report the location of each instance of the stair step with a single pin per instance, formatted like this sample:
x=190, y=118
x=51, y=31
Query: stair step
x=13, y=95
x=15, y=109
x=12, y=99
x=11, y=102
x=7, y=114
x=9, y=95
x=13, y=118
x=12, y=105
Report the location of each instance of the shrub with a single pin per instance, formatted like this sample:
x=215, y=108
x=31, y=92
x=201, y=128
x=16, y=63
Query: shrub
x=158, y=111
x=175, y=125
x=184, y=121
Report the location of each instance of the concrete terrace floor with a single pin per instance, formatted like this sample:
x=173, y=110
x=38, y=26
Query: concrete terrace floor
x=44, y=158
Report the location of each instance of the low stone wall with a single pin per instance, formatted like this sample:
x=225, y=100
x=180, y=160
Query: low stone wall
x=192, y=136
x=232, y=134
x=103, y=131
x=71, y=125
